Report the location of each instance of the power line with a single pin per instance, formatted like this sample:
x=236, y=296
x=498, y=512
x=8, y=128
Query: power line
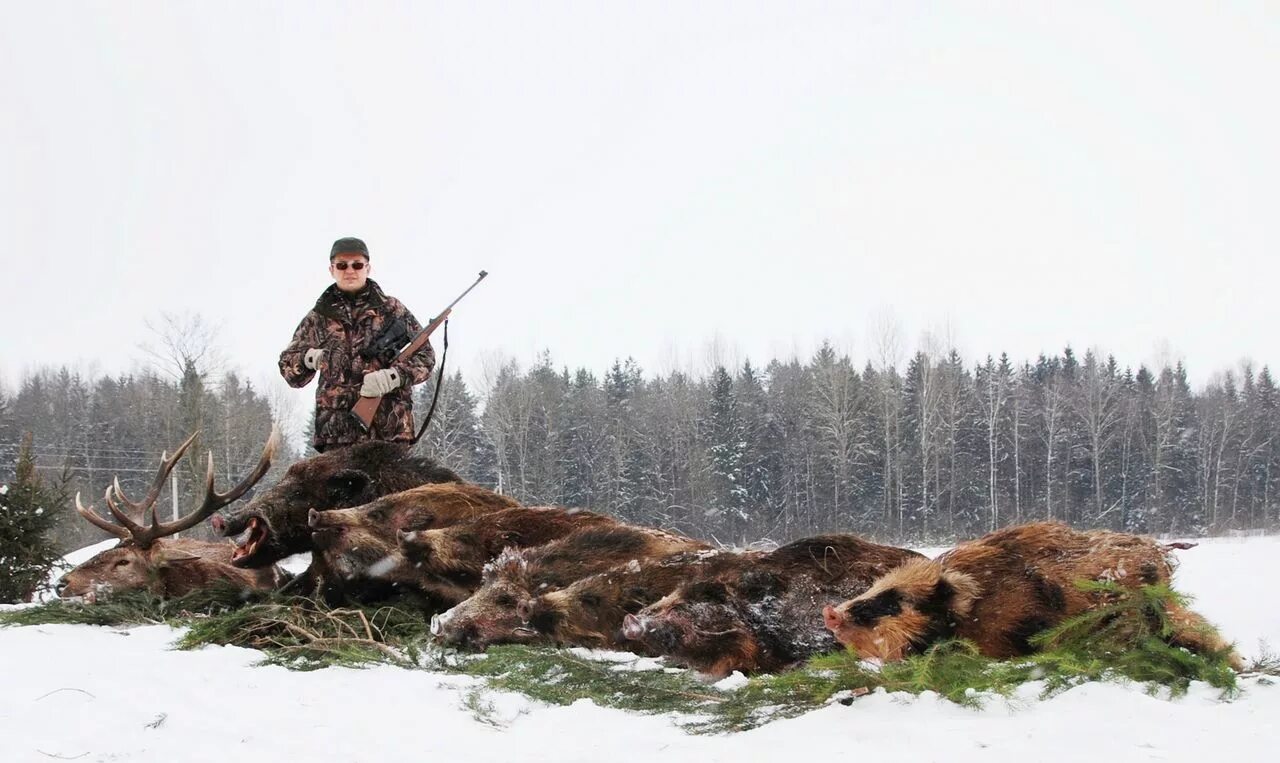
x=39, y=447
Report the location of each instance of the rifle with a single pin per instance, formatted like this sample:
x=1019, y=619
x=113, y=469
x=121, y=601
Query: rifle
x=365, y=409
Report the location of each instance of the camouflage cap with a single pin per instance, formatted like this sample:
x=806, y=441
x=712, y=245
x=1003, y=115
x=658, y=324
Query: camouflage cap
x=348, y=246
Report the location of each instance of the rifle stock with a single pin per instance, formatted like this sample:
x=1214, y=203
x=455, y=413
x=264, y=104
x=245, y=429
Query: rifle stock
x=367, y=407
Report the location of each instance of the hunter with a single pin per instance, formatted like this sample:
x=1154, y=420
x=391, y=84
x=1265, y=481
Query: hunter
x=350, y=338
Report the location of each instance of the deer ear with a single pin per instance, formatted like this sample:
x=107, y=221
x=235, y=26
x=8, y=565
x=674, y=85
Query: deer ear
x=960, y=590
x=348, y=484
x=166, y=556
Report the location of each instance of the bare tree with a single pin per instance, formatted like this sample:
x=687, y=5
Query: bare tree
x=993, y=391
x=1097, y=404
x=183, y=341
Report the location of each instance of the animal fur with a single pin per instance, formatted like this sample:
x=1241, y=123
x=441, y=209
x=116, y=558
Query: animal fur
x=169, y=567
x=761, y=614
x=350, y=543
x=490, y=614
x=1002, y=589
x=275, y=521
x=450, y=560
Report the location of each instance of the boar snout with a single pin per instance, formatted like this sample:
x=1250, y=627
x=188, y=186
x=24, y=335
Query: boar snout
x=633, y=627
x=458, y=636
x=833, y=618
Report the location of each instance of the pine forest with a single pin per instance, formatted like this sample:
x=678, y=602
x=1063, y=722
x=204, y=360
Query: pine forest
x=937, y=450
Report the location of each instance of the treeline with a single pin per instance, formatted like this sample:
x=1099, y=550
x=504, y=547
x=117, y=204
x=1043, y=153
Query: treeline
x=87, y=431
x=935, y=451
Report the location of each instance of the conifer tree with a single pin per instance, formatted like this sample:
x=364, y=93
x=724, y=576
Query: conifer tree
x=724, y=433
x=454, y=437
x=6, y=437
x=586, y=455
x=762, y=464
x=28, y=510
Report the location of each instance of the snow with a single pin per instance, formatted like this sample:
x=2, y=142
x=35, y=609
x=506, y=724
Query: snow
x=99, y=694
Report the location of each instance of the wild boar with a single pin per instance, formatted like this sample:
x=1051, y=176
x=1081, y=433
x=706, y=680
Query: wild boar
x=517, y=574
x=449, y=561
x=274, y=524
x=1004, y=588
x=347, y=541
x=589, y=612
x=763, y=614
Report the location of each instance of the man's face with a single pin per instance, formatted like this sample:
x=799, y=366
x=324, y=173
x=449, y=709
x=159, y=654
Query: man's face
x=343, y=268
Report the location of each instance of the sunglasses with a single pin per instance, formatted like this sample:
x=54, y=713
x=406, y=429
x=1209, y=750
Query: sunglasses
x=354, y=265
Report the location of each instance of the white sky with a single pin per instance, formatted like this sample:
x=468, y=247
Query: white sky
x=647, y=179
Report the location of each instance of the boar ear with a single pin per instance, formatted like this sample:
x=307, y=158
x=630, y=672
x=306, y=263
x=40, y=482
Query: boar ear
x=348, y=484
x=635, y=598
x=959, y=590
x=541, y=613
x=756, y=584
x=421, y=521
x=708, y=590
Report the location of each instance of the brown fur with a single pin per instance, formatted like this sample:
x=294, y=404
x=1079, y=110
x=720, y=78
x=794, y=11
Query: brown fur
x=170, y=567
x=490, y=614
x=349, y=541
x=999, y=590
x=341, y=478
x=761, y=614
x=590, y=611
x=456, y=555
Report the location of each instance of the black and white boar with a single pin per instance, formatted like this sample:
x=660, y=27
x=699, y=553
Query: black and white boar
x=1004, y=588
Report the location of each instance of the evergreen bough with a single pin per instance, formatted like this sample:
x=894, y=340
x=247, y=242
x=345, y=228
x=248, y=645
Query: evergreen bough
x=304, y=634
x=1123, y=640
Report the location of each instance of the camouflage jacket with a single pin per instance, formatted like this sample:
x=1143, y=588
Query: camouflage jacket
x=344, y=325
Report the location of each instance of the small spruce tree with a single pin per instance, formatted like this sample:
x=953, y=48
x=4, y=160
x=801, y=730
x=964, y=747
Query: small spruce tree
x=28, y=511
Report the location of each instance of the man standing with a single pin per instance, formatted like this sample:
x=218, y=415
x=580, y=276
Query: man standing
x=350, y=338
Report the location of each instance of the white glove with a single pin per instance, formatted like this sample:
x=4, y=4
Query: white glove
x=313, y=358
x=379, y=383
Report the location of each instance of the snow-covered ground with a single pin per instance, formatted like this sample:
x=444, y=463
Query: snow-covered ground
x=102, y=694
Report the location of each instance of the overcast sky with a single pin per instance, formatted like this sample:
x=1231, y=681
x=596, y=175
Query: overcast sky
x=647, y=179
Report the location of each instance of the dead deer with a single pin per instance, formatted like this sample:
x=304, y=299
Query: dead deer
x=147, y=558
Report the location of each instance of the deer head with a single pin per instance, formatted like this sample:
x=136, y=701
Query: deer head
x=143, y=554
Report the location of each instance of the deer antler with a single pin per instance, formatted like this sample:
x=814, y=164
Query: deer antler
x=98, y=521
x=144, y=536
x=114, y=493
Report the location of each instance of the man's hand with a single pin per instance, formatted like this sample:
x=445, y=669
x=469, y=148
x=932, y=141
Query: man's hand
x=379, y=383
x=313, y=358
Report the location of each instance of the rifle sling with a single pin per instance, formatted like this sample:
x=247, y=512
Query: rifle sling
x=435, y=398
